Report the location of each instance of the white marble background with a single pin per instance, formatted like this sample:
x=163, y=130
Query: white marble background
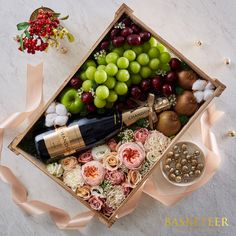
x=181, y=24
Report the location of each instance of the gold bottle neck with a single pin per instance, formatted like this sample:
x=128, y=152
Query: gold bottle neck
x=130, y=117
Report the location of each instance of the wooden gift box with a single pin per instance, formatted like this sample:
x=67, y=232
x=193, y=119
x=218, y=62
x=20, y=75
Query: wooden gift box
x=124, y=9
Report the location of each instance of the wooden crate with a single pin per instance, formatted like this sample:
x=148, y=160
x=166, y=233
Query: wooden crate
x=124, y=9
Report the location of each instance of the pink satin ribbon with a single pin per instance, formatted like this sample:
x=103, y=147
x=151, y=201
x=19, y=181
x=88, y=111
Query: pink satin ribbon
x=154, y=186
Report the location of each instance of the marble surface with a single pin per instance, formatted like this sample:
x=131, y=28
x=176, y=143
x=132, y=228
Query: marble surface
x=181, y=24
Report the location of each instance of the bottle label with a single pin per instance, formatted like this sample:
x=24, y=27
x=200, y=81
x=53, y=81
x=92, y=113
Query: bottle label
x=64, y=141
x=131, y=117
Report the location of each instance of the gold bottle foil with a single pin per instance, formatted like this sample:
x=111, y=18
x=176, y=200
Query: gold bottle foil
x=64, y=141
x=132, y=116
x=161, y=104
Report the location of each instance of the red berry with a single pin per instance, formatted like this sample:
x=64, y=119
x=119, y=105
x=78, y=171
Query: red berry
x=118, y=41
x=175, y=63
x=131, y=104
x=135, y=92
x=157, y=83
x=91, y=107
x=171, y=77
x=114, y=33
x=43, y=34
x=135, y=28
x=166, y=89
x=145, y=85
x=126, y=31
x=76, y=82
x=126, y=21
x=105, y=44
x=145, y=36
x=134, y=39
x=87, y=97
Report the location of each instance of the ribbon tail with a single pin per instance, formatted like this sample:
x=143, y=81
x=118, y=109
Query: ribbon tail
x=34, y=100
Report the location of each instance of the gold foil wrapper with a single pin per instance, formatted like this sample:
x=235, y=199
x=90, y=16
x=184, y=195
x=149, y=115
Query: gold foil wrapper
x=132, y=116
x=161, y=104
x=64, y=141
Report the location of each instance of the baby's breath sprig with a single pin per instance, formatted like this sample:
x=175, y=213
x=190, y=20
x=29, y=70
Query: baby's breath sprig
x=160, y=72
x=126, y=135
x=80, y=91
x=91, y=90
x=120, y=25
x=172, y=99
x=98, y=54
x=145, y=167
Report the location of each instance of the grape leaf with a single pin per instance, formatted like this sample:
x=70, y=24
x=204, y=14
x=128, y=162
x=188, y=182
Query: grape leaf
x=27, y=33
x=22, y=25
x=70, y=37
x=64, y=17
x=55, y=14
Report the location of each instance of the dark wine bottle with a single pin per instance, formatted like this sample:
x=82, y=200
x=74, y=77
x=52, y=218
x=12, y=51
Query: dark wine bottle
x=84, y=133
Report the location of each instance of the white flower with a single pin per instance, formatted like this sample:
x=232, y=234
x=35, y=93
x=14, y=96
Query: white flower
x=210, y=86
x=49, y=119
x=199, y=95
x=56, y=114
x=155, y=145
x=100, y=152
x=199, y=85
x=208, y=94
x=61, y=120
x=203, y=90
x=51, y=108
x=153, y=155
x=73, y=178
x=55, y=169
x=97, y=191
x=115, y=196
x=61, y=110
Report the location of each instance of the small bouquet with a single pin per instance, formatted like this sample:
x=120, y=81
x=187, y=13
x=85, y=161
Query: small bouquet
x=41, y=31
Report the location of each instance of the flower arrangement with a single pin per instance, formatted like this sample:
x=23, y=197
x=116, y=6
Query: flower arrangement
x=105, y=175
x=41, y=31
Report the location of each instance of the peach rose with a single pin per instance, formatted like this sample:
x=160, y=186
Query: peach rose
x=111, y=161
x=112, y=144
x=96, y=203
x=141, y=134
x=133, y=178
x=69, y=163
x=85, y=157
x=131, y=155
x=115, y=177
x=93, y=173
x=83, y=192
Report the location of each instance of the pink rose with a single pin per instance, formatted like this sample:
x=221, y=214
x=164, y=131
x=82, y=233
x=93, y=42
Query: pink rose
x=141, y=134
x=93, y=173
x=107, y=211
x=126, y=189
x=112, y=144
x=96, y=203
x=85, y=157
x=131, y=155
x=115, y=177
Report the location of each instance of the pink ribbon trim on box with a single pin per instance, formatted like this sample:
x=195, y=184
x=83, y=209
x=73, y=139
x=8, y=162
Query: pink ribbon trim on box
x=156, y=187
